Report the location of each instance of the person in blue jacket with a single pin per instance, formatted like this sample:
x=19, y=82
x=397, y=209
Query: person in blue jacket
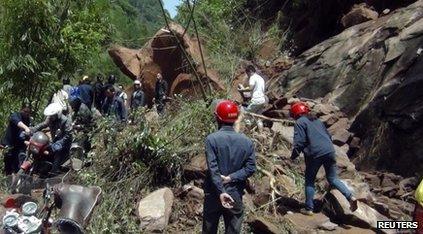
x=312, y=138
x=86, y=92
x=230, y=161
x=13, y=139
x=114, y=105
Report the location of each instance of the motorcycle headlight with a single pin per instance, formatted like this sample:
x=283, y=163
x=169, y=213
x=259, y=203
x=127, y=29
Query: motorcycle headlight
x=29, y=208
x=10, y=219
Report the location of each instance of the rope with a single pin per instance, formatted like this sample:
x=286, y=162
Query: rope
x=203, y=92
x=199, y=46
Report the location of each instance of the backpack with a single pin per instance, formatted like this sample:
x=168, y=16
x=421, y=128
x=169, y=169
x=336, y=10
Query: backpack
x=74, y=93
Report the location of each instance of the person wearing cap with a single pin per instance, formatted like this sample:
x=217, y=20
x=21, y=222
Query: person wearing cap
x=86, y=92
x=138, y=96
x=13, y=141
x=230, y=160
x=61, y=133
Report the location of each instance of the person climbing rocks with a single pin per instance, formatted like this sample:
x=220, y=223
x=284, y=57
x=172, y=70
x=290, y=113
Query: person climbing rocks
x=114, y=105
x=257, y=86
x=160, y=93
x=86, y=92
x=230, y=160
x=138, y=96
x=13, y=141
x=61, y=132
x=312, y=138
x=418, y=210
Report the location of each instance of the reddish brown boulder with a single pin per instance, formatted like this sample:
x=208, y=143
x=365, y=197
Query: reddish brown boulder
x=162, y=54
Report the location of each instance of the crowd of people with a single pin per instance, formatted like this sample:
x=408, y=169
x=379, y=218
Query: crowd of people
x=74, y=105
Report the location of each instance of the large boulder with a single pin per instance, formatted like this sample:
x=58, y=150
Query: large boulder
x=162, y=54
x=373, y=73
x=338, y=207
x=154, y=210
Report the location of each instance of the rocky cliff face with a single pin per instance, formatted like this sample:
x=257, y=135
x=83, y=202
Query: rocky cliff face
x=373, y=72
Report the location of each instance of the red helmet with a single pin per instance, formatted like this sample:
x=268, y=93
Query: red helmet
x=298, y=109
x=227, y=111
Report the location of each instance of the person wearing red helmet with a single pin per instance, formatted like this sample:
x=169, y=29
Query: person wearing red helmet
x=230, y=161
x=312, y=138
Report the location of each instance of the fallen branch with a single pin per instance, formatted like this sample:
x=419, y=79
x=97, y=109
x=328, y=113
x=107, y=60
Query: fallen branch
x=284, y=121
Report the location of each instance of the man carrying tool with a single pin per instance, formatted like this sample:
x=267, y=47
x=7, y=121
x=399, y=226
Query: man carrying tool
x=230, y=161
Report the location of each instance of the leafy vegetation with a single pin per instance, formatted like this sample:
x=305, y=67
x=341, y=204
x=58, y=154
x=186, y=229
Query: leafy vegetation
x=141, y=157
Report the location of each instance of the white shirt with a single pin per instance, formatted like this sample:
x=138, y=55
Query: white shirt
x=258, y=96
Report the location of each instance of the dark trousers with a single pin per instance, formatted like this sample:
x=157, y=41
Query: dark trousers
x=59, y=158
x=212, y=211
x=312, y=167
x=160, y=105
x=13, y=160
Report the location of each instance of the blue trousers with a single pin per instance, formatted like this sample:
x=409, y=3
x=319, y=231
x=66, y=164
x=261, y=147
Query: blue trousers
x=312, y=167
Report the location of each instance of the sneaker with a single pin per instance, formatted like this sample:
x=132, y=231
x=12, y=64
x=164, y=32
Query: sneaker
x=307, y=212
x=353, y=204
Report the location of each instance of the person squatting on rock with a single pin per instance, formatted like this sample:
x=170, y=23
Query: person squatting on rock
x=13, y=140
x=138, y=96
x=312, y=138
x=114, y=105
x=230, y=161
x=61, y=132
x=160, y=93
x=257, y=86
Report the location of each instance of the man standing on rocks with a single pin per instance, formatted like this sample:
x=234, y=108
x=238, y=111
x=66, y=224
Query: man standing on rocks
x=312, y=138
x=160, y=93
x=230, y=161
x=257, y=86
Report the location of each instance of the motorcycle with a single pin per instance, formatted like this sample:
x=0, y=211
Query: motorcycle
x=75, y=204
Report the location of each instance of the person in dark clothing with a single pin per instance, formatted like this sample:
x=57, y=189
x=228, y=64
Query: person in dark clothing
x=160, y=93
x=82, y=115
x=13, y=140
x=61, y=132
x=138, y=96
x=312, y=138
x=114, y=105
x=86, y=92
x=98, y=92
x=230, y=161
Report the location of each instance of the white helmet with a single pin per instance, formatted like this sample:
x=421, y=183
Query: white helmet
x=137, y=82
x=53, y=109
